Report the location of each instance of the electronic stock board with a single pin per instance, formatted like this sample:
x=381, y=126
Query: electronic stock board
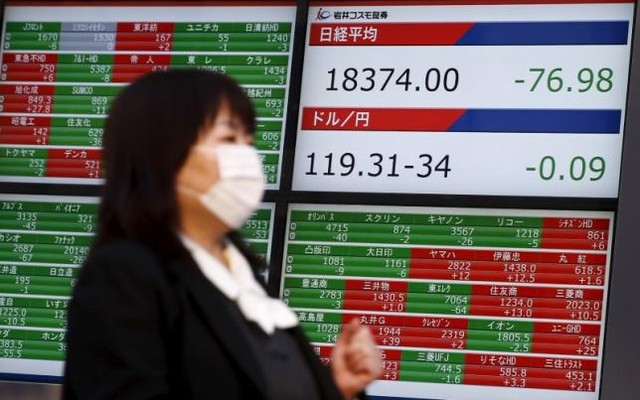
x=62, y=68
x=461, y=98
x=372, y=115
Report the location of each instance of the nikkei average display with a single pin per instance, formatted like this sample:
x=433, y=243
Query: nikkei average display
x=485, y=99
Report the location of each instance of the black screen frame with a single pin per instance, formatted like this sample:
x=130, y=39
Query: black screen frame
x=621, y=361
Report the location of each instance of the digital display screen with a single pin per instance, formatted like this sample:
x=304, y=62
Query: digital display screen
x=43, y=242
x=466, y=304
x=258, y=230
x=395, y=107
x=505, y=99
x=62, y=67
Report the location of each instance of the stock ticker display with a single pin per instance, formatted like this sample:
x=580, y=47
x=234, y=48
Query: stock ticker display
x=456, y=296
x=59, y=78
x=476, y=99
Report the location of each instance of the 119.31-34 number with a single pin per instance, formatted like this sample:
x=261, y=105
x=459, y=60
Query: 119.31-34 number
x=376, y=164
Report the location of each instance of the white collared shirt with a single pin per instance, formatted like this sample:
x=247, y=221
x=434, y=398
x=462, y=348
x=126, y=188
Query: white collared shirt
x=239, y=284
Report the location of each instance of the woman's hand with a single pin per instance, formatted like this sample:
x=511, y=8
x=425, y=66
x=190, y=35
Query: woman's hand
x=355, y=361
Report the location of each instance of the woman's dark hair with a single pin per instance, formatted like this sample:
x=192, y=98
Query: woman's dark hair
x=150, y=129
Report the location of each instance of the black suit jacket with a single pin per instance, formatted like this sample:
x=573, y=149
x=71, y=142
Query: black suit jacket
x=142, y=327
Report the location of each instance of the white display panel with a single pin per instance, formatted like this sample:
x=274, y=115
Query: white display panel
x=524, y=100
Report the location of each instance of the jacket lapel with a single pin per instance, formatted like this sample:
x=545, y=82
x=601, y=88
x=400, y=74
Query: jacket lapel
x=218, y=316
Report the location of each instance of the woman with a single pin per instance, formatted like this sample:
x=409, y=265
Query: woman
x=167, y=305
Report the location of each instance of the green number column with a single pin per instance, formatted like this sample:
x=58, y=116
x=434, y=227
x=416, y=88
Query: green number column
x=43, y=240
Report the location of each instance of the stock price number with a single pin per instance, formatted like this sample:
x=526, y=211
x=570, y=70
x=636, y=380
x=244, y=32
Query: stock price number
x=376, y=164
x=368, y=79
x=578, y=168
x=555, y=80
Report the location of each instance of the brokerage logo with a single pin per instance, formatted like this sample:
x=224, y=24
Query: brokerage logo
x=323, y=14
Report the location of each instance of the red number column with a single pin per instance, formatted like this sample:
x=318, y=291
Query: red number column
x=530, y=372
x=575, y=233
x=426, y=332
x=141, y=38
x=31, y=67
x=24, y=130
x=74, y=163
x=375, y=295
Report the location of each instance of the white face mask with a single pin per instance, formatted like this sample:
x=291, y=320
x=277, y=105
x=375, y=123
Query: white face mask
x=240, y=188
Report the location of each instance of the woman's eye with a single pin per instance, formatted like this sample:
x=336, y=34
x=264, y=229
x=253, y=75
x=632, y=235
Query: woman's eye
x=228, y=136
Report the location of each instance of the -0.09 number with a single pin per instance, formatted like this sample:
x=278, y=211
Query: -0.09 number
x=579, y=168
